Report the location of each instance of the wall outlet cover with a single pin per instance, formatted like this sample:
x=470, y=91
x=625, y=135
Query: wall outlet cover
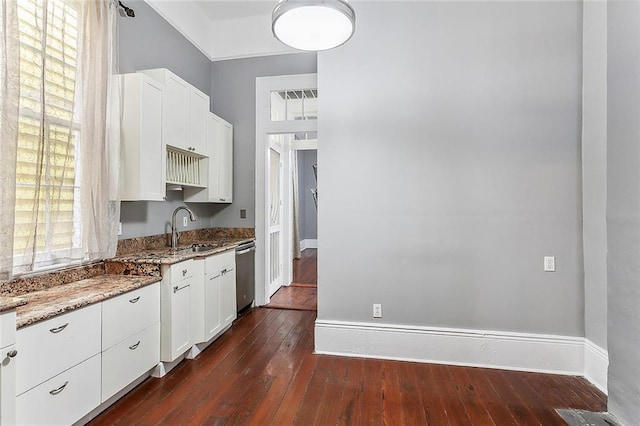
x=377, y=310
x=184, y=221
x=243, y=213
x=549, y=264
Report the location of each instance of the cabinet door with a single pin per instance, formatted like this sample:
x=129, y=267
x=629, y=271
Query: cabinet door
x=175, y=112
x=199, y=112
x=180, y=318
x=212, y=314
x=8, y=385
x=228, y=296
x=225, y=183
x=143, y=156
x=221, y=160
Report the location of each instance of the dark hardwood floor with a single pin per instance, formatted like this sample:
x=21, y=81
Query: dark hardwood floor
x=305, y=269
x=263, y=372
x=296, y=296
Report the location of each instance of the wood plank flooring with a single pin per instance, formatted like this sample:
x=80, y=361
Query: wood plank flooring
x=296, y=296
x=263, y=372
x=305, y=269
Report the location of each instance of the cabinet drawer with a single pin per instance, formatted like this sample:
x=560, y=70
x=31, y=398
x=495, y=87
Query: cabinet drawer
x=63, y=399
x=55, y=345
x=181, y=271
x=216, y=263
x=130, y=359
x=130, y=313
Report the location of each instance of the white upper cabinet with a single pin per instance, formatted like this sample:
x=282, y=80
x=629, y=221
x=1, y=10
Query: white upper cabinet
x=219, y=142
x=142, y=162
x=184, y=111
x=199, y=103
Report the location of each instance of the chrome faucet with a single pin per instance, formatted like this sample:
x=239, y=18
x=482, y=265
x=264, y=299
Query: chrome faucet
x=174, y=229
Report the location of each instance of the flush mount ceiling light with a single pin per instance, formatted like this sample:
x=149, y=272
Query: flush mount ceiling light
x=313, y=24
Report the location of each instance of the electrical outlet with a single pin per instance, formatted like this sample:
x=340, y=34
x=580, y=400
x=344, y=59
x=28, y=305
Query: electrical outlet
x=549, y=264
x=119, y=228
x=377, y=310
x=185, y=221
x=243, y=213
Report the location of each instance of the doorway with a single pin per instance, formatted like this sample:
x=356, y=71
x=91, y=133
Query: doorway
x=286, y=122
x=305, y=261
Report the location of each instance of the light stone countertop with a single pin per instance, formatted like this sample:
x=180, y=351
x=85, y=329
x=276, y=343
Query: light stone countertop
x=168, y=256
x=45, y=304
x=8, y=303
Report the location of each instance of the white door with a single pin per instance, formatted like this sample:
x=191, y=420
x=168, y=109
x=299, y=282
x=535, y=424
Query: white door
x=275, y=178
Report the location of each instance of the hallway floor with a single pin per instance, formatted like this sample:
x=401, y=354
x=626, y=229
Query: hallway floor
x=302, y=294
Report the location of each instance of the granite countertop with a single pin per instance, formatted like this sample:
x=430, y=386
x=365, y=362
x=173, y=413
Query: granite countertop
x=41, y=305
x=167, y=256
x=8, y=303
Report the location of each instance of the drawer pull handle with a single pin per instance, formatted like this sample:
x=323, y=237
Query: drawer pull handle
x=12, y=354
x=60, y=389
x=133, y=347
x=184, y=272
x=58, y=329
x=177, y=289
x=134, y=300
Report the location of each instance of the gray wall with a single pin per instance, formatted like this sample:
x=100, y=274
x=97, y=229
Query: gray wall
x=623, y=209
x=306, y=182
x=148, y=41
x=234, y=99
x=468, y=119
x=594, y=170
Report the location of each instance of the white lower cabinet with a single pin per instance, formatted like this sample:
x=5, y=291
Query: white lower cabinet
x=63, y=399
x=64, y=341
x=129, y=314
x=175, y=308
x=8, y=361
x=215, y=298
x=128, y=360
x=71, y=363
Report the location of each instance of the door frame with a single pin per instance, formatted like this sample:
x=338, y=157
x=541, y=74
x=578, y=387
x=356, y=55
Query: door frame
x=264, y=128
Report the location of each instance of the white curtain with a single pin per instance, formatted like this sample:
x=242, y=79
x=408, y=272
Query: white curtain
x=99, y=93
x=9, y=107
x=296, y=253
x=60, y=134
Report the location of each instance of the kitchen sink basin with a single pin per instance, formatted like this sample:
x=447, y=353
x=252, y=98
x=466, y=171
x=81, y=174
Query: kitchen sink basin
x=196, y=248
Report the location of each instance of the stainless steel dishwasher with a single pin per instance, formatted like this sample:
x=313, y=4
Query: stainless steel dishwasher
x=245, y=275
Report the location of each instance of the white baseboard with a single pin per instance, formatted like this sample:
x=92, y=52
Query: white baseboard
x=309, y=243
x=478, y=348
x=596, y=365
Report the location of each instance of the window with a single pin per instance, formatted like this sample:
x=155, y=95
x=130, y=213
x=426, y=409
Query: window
x=47, y=213
x=289, y=105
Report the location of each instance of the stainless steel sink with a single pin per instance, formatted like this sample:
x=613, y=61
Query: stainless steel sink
x=196, y=248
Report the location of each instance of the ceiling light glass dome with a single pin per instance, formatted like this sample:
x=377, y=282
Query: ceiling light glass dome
x=313, y=24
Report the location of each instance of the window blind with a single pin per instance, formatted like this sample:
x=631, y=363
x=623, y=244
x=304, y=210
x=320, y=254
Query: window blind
x=47, y=179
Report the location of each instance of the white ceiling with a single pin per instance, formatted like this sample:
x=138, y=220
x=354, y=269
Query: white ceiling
x=218, y=10
x=224, y=29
